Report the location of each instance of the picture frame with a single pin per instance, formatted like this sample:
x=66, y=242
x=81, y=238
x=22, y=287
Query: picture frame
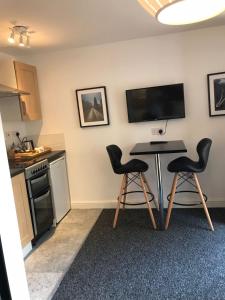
x=92, y=106
x=216, y=94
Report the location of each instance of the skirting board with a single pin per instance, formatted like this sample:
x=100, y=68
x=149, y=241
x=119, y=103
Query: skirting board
x=112, y=204
x=27, y=249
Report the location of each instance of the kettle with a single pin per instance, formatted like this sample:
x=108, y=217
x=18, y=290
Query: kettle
x=29, y=144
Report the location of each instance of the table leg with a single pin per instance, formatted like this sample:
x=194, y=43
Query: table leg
x=160, y=191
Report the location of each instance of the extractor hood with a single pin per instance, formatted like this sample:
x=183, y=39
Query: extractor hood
x=6, y=91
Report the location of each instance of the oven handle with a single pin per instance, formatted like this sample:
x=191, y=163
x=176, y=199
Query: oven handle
x=36, y=180
x=38, y=199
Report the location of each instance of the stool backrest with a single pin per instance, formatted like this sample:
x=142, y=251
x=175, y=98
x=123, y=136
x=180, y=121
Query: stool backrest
x=203, y=149
x=115, y=155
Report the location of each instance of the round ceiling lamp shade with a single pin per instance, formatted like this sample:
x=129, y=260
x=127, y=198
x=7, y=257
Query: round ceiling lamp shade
x=181, y=12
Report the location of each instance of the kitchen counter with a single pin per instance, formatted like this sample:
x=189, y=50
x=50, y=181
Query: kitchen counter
x=19, y=167
x=15, y=171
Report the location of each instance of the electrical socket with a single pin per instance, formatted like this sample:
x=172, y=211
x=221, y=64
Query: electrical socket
x=156, y=131
x=10, y=133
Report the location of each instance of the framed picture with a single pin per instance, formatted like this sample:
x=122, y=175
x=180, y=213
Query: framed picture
x=216, y=93
x=92, y=106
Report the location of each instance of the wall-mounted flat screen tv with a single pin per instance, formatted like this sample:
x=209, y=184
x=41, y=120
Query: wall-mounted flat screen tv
x=156, y=103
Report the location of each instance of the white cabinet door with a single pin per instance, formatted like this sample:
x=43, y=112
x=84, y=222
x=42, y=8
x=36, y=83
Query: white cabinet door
x=60, y=188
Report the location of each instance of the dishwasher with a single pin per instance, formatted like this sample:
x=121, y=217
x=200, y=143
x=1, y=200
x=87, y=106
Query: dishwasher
x=60, y=188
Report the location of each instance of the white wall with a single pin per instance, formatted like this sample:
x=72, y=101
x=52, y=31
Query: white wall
x=185, y=57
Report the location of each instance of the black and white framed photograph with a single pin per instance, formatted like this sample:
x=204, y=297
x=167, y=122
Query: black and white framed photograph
x=92, y=106
x=216, y=93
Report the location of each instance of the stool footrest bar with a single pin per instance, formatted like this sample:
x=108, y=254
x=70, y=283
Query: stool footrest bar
x=187, y=204
x=138, y=203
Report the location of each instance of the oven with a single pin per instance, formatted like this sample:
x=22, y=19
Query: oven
x=40, y=199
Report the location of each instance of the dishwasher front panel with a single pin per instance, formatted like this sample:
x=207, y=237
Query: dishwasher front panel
x=60, y=188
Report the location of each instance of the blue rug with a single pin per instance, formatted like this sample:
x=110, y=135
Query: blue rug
x=135, y=262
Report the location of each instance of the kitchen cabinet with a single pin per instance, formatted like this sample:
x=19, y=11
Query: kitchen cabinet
x=7, y=72
x=26, y=78
x=22, y=209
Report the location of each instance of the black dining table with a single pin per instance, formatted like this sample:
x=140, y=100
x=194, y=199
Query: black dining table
x=158, y=148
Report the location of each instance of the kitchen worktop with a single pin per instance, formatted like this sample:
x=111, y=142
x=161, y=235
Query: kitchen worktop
x=19, y=167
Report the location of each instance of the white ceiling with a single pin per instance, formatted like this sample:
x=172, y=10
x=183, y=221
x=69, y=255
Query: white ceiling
x=61, y=24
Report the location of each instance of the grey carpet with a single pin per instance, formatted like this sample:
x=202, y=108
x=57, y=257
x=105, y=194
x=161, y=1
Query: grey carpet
x=135, y=262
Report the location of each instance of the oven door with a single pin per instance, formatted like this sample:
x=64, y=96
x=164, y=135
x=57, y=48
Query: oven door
x=42, y=211
x=38, y=183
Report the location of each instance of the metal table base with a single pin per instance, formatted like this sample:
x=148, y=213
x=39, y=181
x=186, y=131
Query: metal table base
x=160, y=191
x=157, y=149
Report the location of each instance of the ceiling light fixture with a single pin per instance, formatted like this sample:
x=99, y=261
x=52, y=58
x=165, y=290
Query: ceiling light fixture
x=181, y=12
x=21, y=43
x=28, y=41
x=21, y=35
x=11, y=38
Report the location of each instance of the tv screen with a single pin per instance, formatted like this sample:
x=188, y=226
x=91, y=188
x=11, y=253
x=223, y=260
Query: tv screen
x=156, y=103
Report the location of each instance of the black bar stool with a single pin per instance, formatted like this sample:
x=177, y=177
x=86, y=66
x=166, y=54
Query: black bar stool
x=132, y=170
x=185, y=170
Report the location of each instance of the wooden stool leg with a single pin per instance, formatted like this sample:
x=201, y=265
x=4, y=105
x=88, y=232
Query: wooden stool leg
x=118, y=203
x=150, y=191
x=125, y=191
x=148, y=204
x=172, y=196
x=203, y=201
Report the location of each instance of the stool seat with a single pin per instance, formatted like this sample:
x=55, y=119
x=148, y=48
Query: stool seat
x=132, y=171
x=185, y=170
x=132, y=166
x=185, y=164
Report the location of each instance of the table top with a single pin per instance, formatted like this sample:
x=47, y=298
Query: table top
x=169, y=147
